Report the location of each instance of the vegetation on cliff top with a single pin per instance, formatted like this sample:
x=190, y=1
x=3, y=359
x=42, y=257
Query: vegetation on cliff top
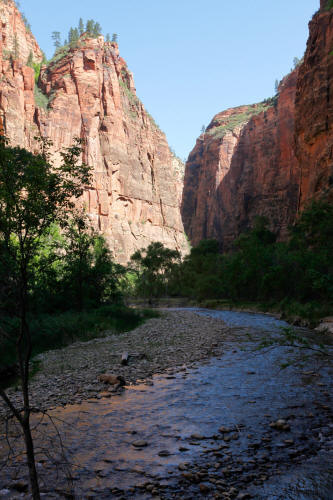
x=234, y=120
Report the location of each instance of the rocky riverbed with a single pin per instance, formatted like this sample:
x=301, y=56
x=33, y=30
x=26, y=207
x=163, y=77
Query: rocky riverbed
x=220, y=420
x=70, y=375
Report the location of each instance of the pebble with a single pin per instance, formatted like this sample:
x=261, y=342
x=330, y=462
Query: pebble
x=139, y=444
x=75, y=368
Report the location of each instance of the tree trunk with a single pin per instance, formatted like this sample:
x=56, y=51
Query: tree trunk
x=29, y=446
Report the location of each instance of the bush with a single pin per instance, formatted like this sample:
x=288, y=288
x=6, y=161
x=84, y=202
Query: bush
x=53, y=331
x=41, y=100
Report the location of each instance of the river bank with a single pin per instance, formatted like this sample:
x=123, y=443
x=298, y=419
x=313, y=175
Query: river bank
x=230, y=425
x=70, y=375
x=304, y=315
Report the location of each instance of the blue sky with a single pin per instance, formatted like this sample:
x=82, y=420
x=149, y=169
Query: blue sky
x=191, y=59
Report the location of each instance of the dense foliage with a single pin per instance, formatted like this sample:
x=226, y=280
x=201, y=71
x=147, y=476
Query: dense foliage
x=52, y=263
x=296, y=275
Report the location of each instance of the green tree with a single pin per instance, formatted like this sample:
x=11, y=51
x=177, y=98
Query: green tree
x=73, y=35
x=16, y=47
x=108, y=38
x=90, y=26
x=56, y=39
x=154, y=266
x=34, y=193
x=30, y=59
x=81, y=26
x=115, y=37
x=97, y=29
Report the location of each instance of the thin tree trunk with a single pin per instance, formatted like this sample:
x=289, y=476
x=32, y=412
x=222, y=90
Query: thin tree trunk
x=24, y=354
x=29, y=446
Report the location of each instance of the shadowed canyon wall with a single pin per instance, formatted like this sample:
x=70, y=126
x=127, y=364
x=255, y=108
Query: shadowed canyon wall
x=268, y=159
x=242, y=166
x=87, y=91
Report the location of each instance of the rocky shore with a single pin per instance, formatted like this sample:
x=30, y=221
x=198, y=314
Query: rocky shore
x=223, y=421
x=71, y=375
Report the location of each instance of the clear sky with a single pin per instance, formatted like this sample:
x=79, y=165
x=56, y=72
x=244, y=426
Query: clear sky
x=191, y=58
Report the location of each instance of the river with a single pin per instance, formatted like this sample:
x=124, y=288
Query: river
x=203, y=432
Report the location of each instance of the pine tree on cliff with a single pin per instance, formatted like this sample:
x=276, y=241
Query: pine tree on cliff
x=81, y=26
x=90, y=26
x=115, y=37
x=56, y=39
x=97, y=29
x=73, y=35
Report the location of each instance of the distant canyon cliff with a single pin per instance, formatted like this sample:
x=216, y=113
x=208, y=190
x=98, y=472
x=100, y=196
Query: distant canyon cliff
x=87, y=91
x=267, y=159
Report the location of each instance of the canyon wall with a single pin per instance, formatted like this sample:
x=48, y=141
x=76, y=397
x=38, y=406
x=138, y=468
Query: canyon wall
x=314, y=110
x=87, y=91
x=268, y=162
x=243, y=166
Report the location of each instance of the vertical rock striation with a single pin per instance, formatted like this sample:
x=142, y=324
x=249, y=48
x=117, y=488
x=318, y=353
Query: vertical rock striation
x=87, y=91
x=314, y=110
x=272, y=163
x=243, y=166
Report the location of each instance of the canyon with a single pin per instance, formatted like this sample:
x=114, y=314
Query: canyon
x=268, y=159
x=87, y=91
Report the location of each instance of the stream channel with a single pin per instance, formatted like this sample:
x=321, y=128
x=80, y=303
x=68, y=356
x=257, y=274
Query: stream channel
x=201, y=432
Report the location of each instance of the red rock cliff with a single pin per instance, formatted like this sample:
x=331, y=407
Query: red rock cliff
x=242, y=166
x=314, y=110
x=88, y=92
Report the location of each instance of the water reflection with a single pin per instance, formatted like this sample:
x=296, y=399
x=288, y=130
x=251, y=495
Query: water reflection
x=177, y=420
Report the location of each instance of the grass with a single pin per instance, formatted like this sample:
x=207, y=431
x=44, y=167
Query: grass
x=54, y=331
x=41, y=100
x=228, y=124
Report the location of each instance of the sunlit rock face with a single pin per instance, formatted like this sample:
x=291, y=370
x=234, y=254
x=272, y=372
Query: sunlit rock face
x=244, y=165
x=89, y=93
x=271, y=163
x=314, y=110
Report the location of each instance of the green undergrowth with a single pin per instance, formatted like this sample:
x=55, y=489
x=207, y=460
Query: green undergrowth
x=53, y=331
x=229, y=124
x=41, y=100
x=308, y=313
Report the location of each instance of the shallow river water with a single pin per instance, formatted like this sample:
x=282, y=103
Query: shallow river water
x=163, y=440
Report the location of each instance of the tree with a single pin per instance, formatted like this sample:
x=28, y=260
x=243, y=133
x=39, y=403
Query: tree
x=90, y=277
x=16, y=47
x=30, y=60
x=73, y=35
x=108, y=38
x=154, y=265
x=81, y=26
x=276, y=86
x=203, y=129
x=34, y=193
x=97, y=29
x=90, y=26
x=56, y=39
x=296, y=62
x=115, y=37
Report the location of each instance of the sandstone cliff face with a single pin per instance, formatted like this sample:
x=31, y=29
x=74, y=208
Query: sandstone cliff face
x=17, y=104
x=243, y=166
x=88, y=92
x=314, y=110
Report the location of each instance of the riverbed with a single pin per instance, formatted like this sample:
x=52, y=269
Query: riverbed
x=204, y=429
